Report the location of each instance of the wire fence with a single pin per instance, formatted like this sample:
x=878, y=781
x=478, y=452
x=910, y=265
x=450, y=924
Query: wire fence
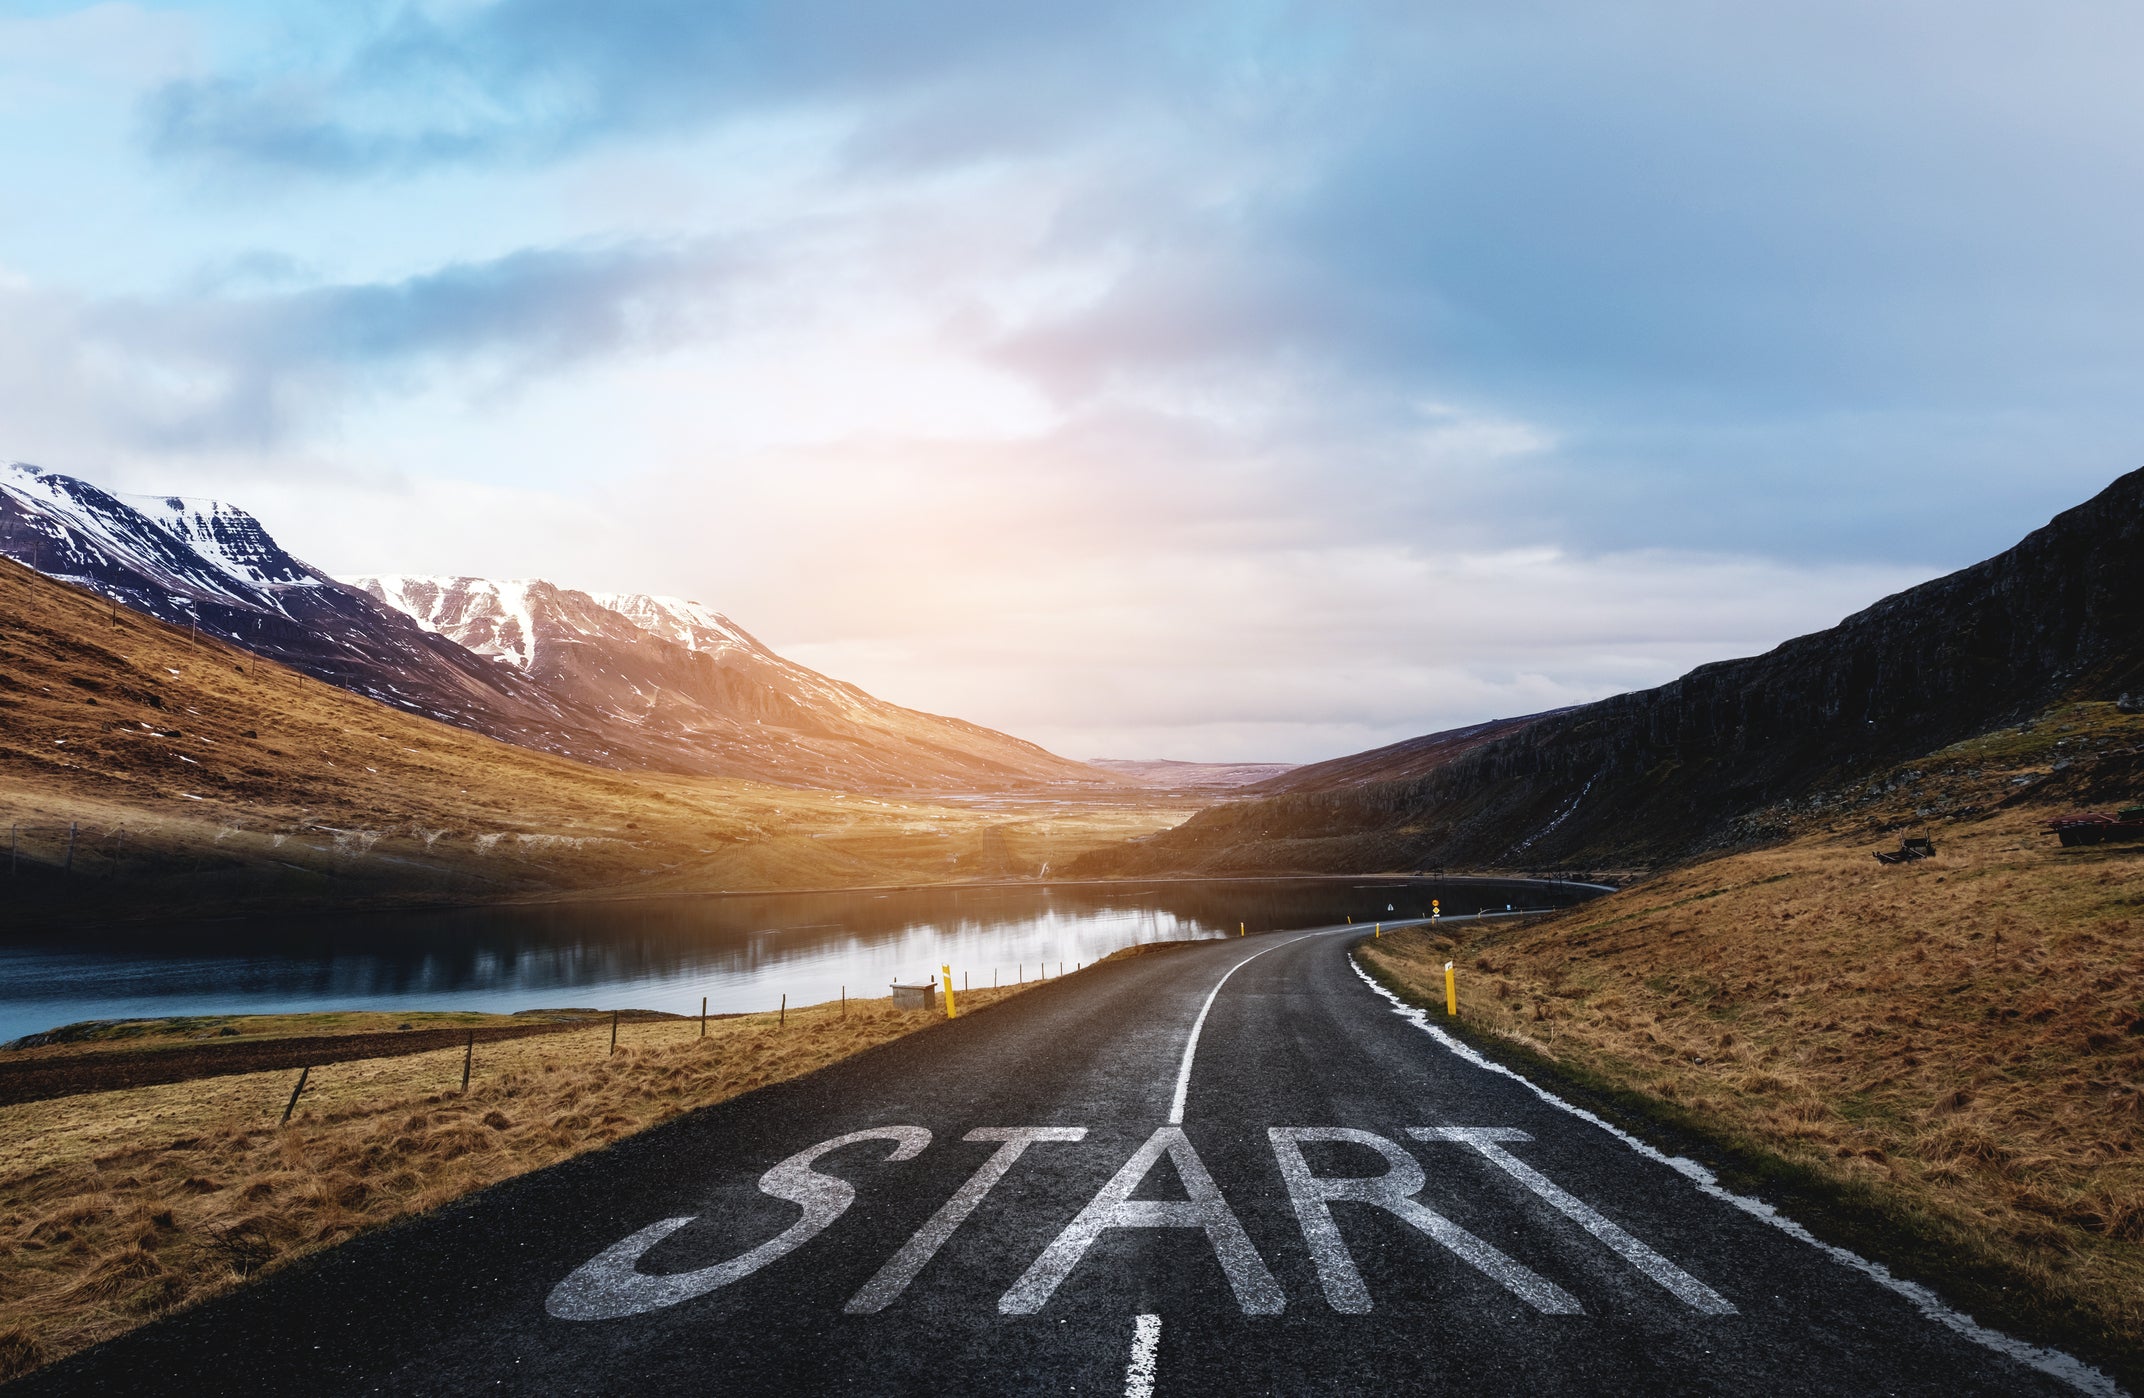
x=37, y=850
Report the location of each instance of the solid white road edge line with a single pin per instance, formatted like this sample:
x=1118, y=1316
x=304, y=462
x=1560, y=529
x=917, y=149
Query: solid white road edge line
x=1191, y=1045
x=1139, y=1374
x=2053, y=1362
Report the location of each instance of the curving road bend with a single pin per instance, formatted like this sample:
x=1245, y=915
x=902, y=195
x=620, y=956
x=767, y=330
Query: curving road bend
x=1072, y=1195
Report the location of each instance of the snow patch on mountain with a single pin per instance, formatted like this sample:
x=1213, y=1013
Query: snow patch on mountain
x=514, y=619
x=199, y=548
x=487, y=616
x=226, y=536
x=677, y=620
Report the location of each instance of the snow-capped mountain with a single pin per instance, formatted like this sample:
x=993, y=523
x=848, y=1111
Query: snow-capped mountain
x=619, y=679
x=687, y=677
x=206, y=564
x=165, y=547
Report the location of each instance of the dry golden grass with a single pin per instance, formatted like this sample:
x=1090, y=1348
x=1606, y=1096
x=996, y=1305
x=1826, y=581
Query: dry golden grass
x=1960, y=1041
x=118, y=1207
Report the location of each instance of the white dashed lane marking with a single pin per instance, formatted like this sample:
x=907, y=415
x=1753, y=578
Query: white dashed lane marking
x=1146, y=1344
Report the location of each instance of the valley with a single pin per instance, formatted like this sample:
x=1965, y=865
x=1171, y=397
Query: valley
x=1935, y=1063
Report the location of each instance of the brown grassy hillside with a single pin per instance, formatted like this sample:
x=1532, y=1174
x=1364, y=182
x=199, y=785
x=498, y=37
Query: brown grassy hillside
x=1956, y=1046
x=202, y=778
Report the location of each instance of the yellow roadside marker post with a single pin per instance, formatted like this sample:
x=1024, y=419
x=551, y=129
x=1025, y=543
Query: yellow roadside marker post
x=1377, y=933
x=950, y=1011
x=1239, y=929
x=1451, y=990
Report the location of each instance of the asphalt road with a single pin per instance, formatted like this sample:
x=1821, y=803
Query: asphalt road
x=1346, y=1205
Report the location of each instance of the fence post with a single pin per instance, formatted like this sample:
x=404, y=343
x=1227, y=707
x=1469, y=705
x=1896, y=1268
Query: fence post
x=292, y=1105
x=70, y=849
x=783, y=1020
x=844, y=1002
x=468, y=1058
x=613, y=1031
x=703, y=1016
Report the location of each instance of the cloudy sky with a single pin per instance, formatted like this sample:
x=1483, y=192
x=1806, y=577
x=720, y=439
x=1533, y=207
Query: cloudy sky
x=1220, y=381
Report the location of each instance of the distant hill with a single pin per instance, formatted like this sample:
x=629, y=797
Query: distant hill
x=1658, y=775
x=625, y=681
x=1402, y=761
x=1171, y=775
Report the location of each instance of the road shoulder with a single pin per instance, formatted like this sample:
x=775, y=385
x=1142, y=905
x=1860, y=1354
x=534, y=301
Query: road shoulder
x=1843, y=1213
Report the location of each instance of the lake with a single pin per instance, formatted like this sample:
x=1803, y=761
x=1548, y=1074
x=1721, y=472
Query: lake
x=742, y=952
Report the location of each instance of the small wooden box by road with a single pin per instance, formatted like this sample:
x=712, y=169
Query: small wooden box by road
x=915, y=997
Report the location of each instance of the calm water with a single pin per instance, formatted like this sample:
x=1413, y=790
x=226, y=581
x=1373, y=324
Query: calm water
x=742, y=953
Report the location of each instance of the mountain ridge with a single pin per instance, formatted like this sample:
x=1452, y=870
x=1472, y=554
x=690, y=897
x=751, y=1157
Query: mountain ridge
x=212, y=567
x=685, y=675
x=1718, y=757
x=631, y=681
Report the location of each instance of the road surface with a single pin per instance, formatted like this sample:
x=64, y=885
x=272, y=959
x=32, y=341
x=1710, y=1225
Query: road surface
x=1072, y=1194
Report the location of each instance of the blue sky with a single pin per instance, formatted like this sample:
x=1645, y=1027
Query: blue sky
x=1218, y=381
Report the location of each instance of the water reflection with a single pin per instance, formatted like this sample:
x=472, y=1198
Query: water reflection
x=741, y=952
